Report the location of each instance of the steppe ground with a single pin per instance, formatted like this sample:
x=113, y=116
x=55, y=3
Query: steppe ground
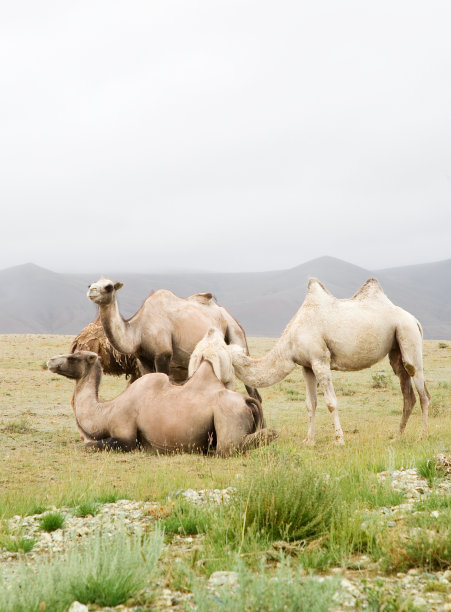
x=43, y=462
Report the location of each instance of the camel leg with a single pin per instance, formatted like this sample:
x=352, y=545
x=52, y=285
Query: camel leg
x=253, y=393
x=232, y=426
x=410, y=345
x=116, y=444
x=324, y=378
x=425, y=397
x=406, y=386
x=162, y=361
x=311, y=401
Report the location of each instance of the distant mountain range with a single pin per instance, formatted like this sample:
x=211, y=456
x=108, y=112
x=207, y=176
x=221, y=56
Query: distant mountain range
x=36, y=300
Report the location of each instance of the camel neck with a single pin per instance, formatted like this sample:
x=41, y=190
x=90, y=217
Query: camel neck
x=117, y=330
x=91, y=415
x=267, y=370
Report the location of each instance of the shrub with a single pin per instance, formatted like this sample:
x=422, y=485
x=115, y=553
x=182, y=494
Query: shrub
x=443, y=345
x=103, y=569
x=86, y=509
x=427, y=469
x=381, y=381
x=284, y=503
x=16, y=543
x=283, y=591
x=52, y=521
x=188, y=518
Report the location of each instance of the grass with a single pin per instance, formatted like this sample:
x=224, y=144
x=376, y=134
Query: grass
x=103, y=569
x=87, y=508
x=51, y=521
x=323, y=503
x=282, y=590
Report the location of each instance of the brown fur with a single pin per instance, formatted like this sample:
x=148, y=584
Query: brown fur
x=155, y=414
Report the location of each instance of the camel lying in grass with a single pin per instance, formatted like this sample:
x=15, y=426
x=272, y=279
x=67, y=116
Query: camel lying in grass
x=154, y=414
x=332, y=334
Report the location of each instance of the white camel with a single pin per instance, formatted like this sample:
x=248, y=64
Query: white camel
x=340, y=334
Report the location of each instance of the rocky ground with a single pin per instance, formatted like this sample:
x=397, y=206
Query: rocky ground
x=422, y=590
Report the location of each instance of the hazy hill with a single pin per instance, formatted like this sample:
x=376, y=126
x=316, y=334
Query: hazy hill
x=36, y=300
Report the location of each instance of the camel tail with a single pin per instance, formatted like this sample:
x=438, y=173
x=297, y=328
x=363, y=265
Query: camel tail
x=257, y=412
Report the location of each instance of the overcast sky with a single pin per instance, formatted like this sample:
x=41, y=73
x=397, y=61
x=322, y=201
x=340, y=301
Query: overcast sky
x=224, y=134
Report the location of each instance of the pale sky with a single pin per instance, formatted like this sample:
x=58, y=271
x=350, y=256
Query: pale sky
x=227, y=135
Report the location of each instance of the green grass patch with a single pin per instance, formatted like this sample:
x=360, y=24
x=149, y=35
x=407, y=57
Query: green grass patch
x=51, y=521
x=87, y=508
x=188, y=518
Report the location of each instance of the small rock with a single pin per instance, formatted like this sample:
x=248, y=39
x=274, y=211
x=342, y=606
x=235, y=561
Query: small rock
x=419, y=602
x=76, y=606
x=435, y=513
x=220, y=579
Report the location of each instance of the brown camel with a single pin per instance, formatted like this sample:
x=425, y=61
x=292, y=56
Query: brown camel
x=347, y=335
x=93, y=338
x=166, y=328
x=152, y=413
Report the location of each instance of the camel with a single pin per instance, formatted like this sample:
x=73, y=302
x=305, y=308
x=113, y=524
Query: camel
x=165, y=330
x=154, y=414
x=346, y=335
x=213, y=348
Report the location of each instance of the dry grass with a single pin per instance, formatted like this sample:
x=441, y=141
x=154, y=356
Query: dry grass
x=46, y=463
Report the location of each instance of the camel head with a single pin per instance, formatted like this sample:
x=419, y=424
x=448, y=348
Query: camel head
x=103, y=291
x=74, y=365
x=213, y=348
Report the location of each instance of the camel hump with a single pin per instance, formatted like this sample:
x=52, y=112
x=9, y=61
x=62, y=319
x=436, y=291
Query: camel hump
x=370, y=288
x=202, y=298
x=314, y=285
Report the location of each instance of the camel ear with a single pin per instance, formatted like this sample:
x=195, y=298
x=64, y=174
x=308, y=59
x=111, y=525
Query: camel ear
x=118, y=286
x=92, y=358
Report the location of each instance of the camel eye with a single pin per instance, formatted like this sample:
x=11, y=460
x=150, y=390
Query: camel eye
x=109, y=288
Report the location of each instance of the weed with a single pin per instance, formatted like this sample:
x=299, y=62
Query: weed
x=87, y=508
x=51, y=521
x=435, y=585
x=381, y=599
x=440, y=400
x=294, y=395
x=37, y=509
x=103, y=569
x=285, y=502
x=381, y=381
x=109, y=568
x=16, y=543
x=285, y=590
x=188, y=519
x=18, y=427
x=427, y=469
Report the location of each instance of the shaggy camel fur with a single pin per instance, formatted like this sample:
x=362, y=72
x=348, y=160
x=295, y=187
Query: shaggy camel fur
x=166, y=328
x=154, y=414
x=213, y=348
x=347, y=335
x=92, y=338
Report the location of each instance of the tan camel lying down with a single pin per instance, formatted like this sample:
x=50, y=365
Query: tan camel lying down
x=154, y=414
